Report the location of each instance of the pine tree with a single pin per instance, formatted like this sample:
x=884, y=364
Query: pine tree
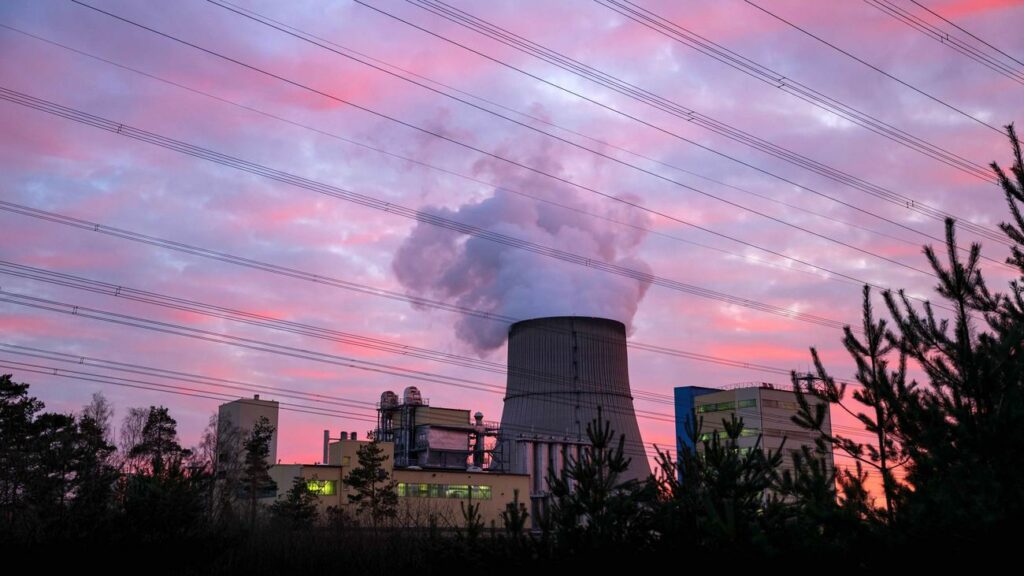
x=881, y=391
x=159, y=443
x=591, y=506
x=375, y=492
x=714, y=497
x=959, y=434
x=17, y=414
x=256, y=470
x=298, y=509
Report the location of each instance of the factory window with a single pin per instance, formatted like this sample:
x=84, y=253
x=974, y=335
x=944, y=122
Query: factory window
x=780, y=404
x=413, y=490
x=459, y=491
x=322, y=487
x=718, y=407
x=723, y=435
x=456, y=491
x=751, y=403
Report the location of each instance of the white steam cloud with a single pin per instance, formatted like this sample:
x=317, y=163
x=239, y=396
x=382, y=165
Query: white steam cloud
x=441, y=264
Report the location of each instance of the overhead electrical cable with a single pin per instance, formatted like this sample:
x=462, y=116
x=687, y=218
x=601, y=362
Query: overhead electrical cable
x=691, y=39
x=694, y=117
x=310, y=39
x=503, y=188
x=850, y=55
x=335, y=282
x=457, y=142
x=953, y=24
x=397, y=209
x=1008, y=70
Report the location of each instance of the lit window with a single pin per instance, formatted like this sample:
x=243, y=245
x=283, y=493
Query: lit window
x=322, y=487
x=457, y=491
x=718, y=407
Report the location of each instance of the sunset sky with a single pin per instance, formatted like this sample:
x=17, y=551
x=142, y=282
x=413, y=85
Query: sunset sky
x=647, y=190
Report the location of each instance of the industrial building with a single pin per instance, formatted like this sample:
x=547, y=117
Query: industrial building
x=236, y=419
x=766, y=410
x=438, y=458
x=561, y=370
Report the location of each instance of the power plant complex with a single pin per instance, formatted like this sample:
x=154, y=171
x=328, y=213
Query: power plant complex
x=563, y=372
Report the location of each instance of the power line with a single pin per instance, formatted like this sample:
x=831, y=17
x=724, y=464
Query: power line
x=295, y=33
x=946, y=39
x=249, y=343
x=263, y=321
x=875, y=68
x=253, y=319
x=608, y=196
x=670, y=107
x=159, y=387
x=497, y=187
x=226, y=383
x=953, y=24
x=520, y=113
x=768, y=76
x=333, y=282
x=397, y=209
x=197, y=379
x=264, y=346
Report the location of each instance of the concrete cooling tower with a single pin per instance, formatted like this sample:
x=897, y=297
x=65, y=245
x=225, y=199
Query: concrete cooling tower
x=560, y=370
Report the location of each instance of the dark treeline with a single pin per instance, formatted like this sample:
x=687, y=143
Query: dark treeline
x=941, y=481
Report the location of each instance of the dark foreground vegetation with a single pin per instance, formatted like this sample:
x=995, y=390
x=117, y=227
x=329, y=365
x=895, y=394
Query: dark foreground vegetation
x=942, y=483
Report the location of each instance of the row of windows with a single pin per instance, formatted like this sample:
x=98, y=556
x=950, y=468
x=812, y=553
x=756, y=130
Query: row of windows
x=444, y=491
x=801, y=435
x=723, y=435
x=726, y=406
x=780, y=404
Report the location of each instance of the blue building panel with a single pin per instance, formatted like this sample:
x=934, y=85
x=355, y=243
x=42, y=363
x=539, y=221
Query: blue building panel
x=684, y=396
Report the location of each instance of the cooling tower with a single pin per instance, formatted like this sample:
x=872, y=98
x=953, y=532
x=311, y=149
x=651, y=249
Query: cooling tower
x=560, y=370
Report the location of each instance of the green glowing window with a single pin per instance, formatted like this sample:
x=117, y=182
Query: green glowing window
x=443, y=491
x=751, y=403
x=457, y=491
x=719, y=407
x=322, y=487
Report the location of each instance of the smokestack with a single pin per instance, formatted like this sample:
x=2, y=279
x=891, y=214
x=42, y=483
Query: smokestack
x=560, y=369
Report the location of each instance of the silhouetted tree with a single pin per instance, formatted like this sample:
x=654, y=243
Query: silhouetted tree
x=130, y=436
x=880, y=391
x=255, y=473
x=375, y=492
x=514, y=516
x=298, y=509
x=591, y=505
x=960, y=433
x=101, y=412
x=92, y=507
x=167, y=499
x=17, y=415
x=159, y=443
x=714, y=496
